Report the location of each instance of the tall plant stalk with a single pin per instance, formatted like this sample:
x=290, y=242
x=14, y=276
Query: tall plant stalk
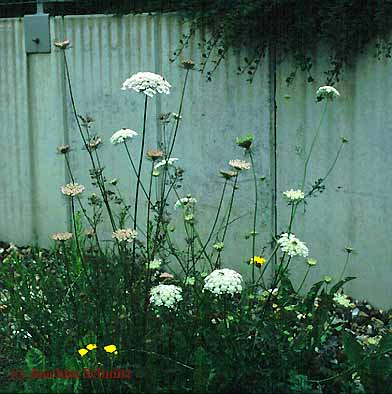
x=138, y=176
x=101, y=185
x=254, y=213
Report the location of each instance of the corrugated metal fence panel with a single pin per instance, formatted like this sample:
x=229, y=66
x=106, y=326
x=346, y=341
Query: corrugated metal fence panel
x=215, y=113
x=15, y=145
x=105, y=51
x=36, y=116
x=355, y=209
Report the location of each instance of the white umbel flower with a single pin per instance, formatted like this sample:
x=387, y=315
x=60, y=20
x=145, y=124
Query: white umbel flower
x=223, y=281
x=343, y=300
x=166, y=295
x=72, y=189
x=292, y=245
x=147, y=83
x=294, y=195
x=122, y=135
x=240, y=164
x=124, y=235
x=185, y=202
x=328, y=92
x=164, y=162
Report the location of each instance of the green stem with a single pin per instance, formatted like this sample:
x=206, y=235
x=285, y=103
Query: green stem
x=135, y=171
x=344, y=267
x=215, y=222
x=313, y=144
x=228, y=218
x=179, y=114
x=303, y=280
x=138, y=176
x=100, y=186
x=255, y=214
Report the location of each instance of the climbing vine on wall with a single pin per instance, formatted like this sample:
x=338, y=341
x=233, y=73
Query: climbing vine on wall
x=291, y=28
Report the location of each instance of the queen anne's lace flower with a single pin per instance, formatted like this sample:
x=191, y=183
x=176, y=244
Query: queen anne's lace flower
x=185, y=202
x=147, y=83
x=328, y=92
x=228, y=174
x=292, y=245
x=223, y=281
x=72, y=189
x=164, y=162
x=240, y=164
x=166, y=295
x=125, y=234
x=154, y=154
x=343, y=300
x=294, y=195
x=62, y=236
x=122, y=135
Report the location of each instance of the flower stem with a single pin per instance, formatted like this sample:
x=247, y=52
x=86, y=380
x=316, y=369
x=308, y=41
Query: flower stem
x=313, y=144
x=344, y=267
x=138, y=176
x=215, y=222
x=254, y=214
x=179, y=115
x=100, y=185
x=303, y=280
x=228, y=217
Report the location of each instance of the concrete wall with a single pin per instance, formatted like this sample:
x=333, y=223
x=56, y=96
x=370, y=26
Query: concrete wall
x=35, y=117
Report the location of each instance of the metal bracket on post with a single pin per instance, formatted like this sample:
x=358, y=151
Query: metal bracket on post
x=37, y=31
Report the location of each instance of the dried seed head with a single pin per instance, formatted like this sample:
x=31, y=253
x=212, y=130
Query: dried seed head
x=166, y=275
x=63, y=148
x=188, y=64
x=89, y=232
x=62, y=236
x=95, y=142
x=62, y=44
x=228, y=174
x=154, y=154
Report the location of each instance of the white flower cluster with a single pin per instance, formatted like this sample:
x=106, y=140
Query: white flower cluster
x=343, y=300
x=164, y=162
x=121, y=135
x=185, y=202
x=166, y=295
x=240, y=164
x=72, y=189
x=292, y=245
x=147, y=83
x=223, y=281
x=125, y=235
x=328, y=92
x=294, y=195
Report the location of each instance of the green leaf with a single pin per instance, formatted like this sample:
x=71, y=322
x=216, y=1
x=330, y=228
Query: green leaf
x=312, y=293
x=338, y=285
x=35, y=359
x=385, y=344
x=202, y=371
x=353, y=349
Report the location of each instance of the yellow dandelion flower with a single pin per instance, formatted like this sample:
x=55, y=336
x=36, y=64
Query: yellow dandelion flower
x=257, y=260
x=82, y=352
x=91, y=346
x=110, y=349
